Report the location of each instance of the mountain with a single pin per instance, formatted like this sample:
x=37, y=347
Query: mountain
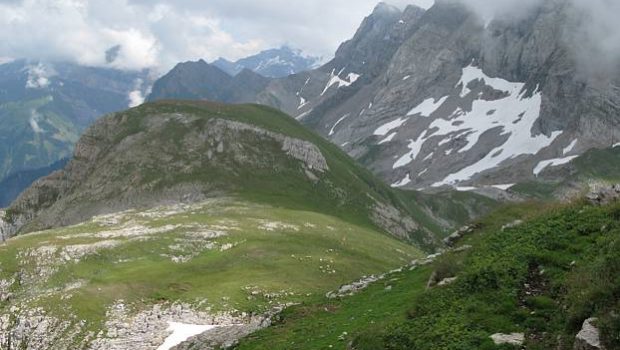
x=442, y=97
x=203, y=81
x=178, y=213
x=12, y=186
x=273, y=63
x=187, y=151
x=44, y=107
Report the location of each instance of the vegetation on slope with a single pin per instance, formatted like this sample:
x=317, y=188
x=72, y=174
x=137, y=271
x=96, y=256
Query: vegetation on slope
x=230, y=254
x=542, y=278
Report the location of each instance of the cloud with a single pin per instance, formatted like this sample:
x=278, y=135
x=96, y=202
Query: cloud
x=39, y=76
x=592, y=30
x=146, y=33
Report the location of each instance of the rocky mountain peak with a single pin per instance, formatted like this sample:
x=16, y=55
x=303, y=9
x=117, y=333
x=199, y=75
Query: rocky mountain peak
x=383, y=8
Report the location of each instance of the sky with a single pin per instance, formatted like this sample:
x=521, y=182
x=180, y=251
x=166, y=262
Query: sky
x=140, y=34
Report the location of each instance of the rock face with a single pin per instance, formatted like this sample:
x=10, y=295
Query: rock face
x=441, y=97
x=589, y=337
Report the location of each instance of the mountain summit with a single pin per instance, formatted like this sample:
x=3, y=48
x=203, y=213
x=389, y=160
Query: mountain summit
x=273, y=63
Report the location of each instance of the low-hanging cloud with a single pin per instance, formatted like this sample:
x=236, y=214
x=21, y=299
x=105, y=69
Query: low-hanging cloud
x=594, y=37
x=135, y=34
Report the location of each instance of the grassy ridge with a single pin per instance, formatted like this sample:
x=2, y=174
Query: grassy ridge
x=346, y=191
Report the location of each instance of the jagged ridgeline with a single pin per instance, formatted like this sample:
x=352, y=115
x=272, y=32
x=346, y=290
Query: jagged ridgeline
x=198, y=213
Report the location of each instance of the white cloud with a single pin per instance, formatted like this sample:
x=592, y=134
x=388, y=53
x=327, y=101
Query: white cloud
x=164, y=32
x=39, y=76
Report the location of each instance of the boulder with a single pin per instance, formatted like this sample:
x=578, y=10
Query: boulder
x=510, y=339
x=589, y=337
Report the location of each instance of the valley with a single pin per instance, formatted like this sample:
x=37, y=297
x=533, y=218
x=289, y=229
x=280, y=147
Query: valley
x=177, y=176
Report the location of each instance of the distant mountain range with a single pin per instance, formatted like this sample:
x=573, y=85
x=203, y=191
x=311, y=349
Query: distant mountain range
x=273, y=63
x=442, y=97
x=44, y=108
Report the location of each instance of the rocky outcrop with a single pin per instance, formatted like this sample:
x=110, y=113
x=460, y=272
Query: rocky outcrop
x=457, y=235
x=589, y=337
x=94, y=176
x=510, y=339
x=603, y=195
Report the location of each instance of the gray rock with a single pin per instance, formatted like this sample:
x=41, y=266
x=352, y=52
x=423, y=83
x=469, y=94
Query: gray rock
x=510, y=339
x=588, y=337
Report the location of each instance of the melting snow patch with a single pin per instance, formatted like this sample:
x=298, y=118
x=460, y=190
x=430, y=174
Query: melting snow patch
x=616, y=145
x=427, y=107
x=388, y=139
x=404, y=182
x=472, y=124
x=302, y=102
x=181, y=332
x=552, y=162
x=331, y=132
x=387, y=127
x=505, y=187
x=415, y=146
x=301, y=116
x=336, y=80
x=570, y=147
x=406, y=77
x=465, y=189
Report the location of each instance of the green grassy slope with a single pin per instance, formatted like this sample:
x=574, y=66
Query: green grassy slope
x=543, y=278
x=226, y=252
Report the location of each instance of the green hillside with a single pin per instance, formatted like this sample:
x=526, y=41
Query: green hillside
x=542, y=278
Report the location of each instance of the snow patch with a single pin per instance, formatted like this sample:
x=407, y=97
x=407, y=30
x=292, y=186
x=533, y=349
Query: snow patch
x=465, y=188
x=336, y=80
x=333, y=130
x=387, y=127
x=415, y=146
x=472, y=124
x=505, y=187
x=552, y=162
x=404, y=182
x=406, y=77
x=570, y=147
x=182, y=332
x=427, y=107
x=388, y=139
x=304, y=114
